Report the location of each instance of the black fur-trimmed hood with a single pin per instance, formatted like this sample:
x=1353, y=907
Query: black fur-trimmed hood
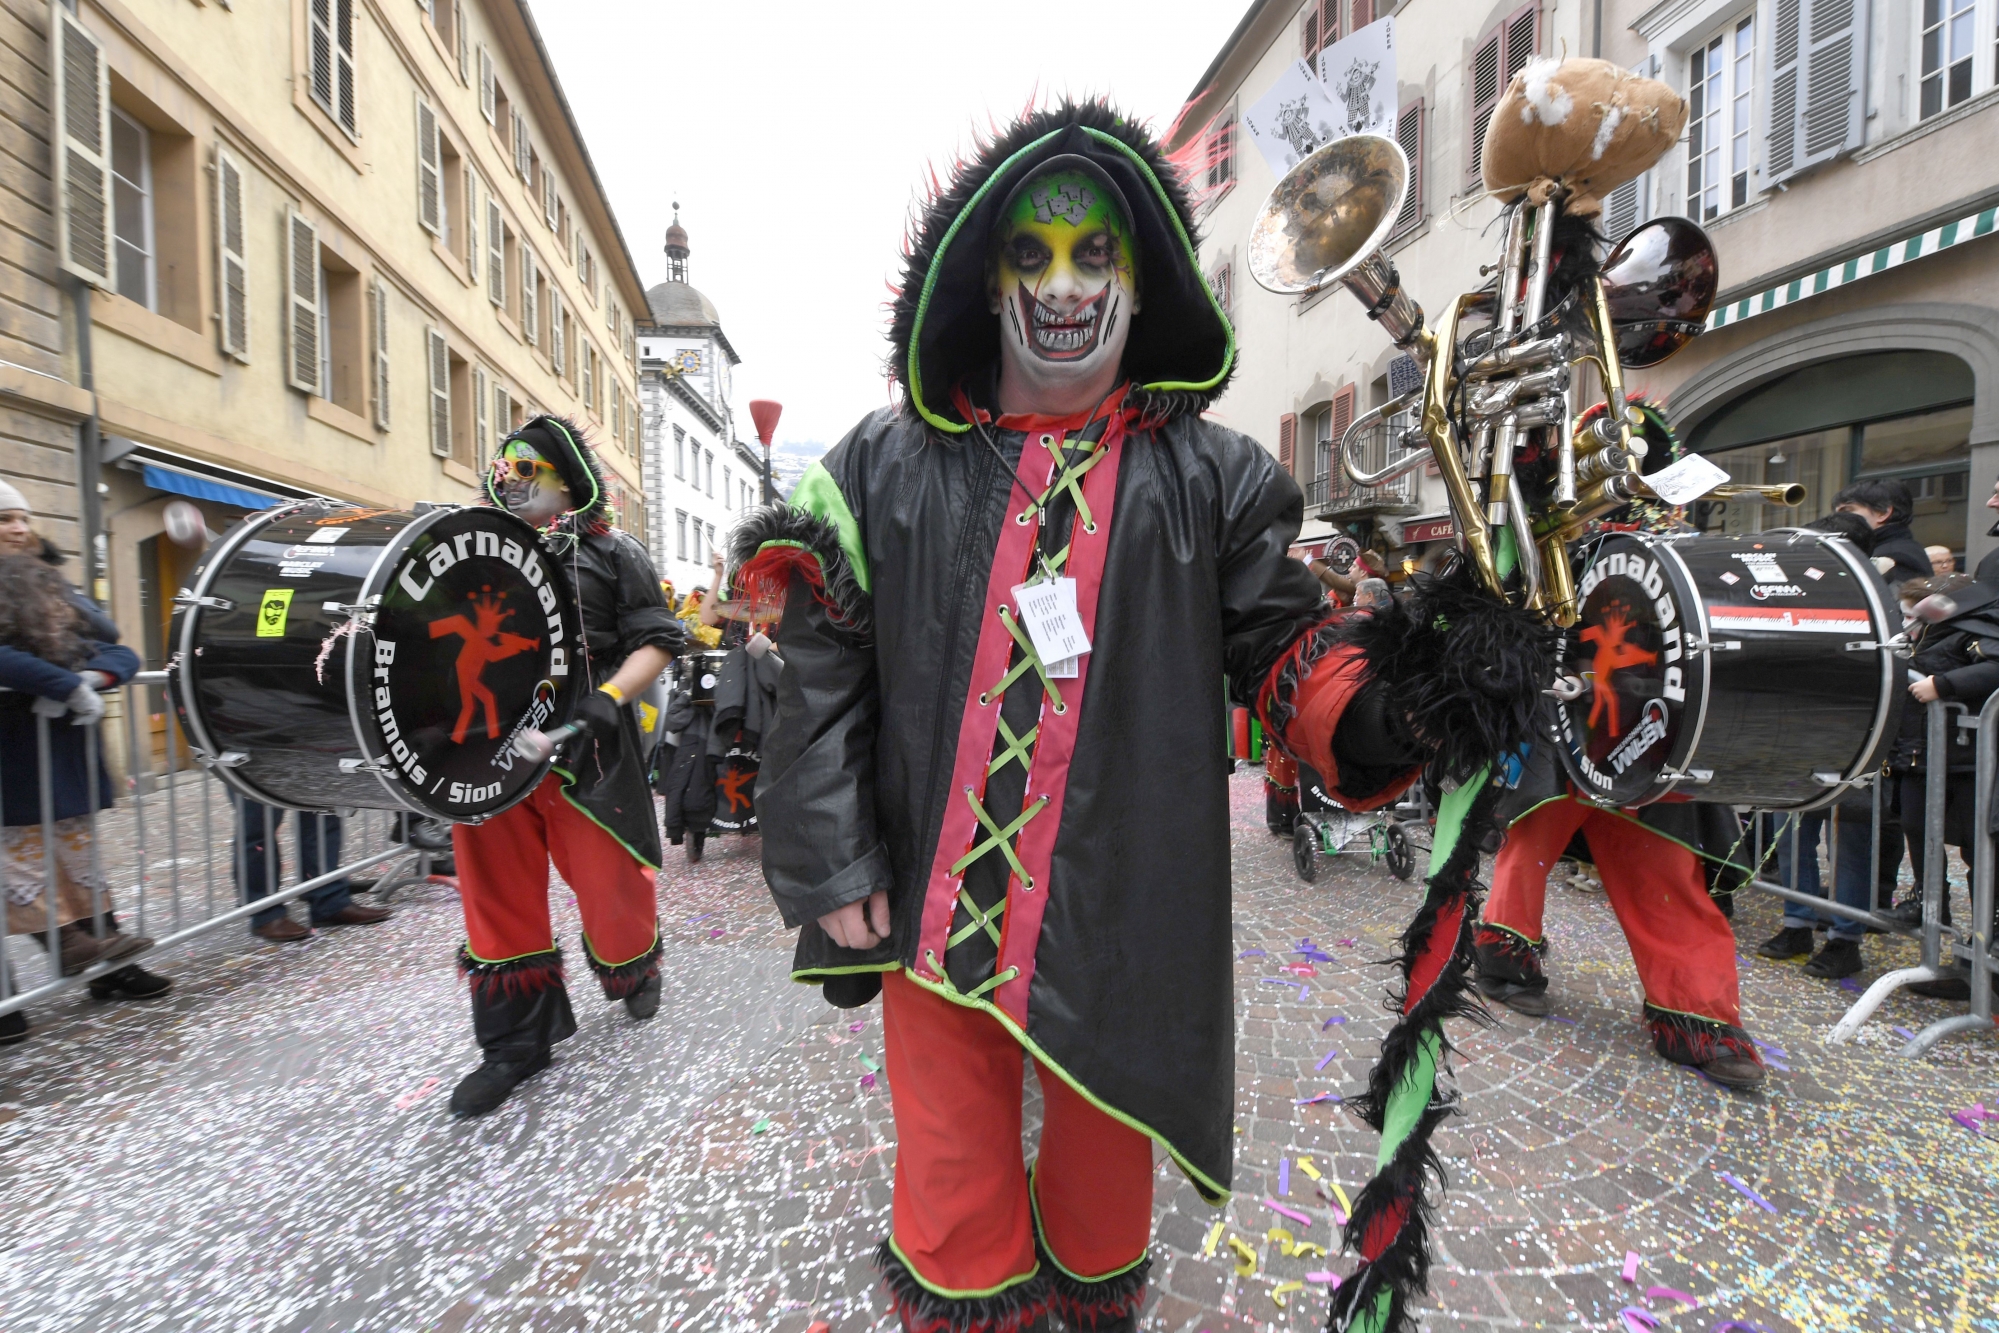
x=1182, y=349
x=563, y=443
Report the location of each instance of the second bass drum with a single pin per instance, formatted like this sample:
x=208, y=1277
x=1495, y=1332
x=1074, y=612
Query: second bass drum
x=1758, y=670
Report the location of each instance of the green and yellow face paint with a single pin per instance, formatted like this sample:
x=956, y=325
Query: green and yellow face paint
x=1063, y=278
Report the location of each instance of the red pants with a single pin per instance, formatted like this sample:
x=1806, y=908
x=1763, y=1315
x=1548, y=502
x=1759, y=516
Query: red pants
x=964, y=1211
x=503, y=881
x=1682, y=944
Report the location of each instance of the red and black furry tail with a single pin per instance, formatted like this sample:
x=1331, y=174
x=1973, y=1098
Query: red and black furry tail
x=776, y=541
x=516, y=976
x=1392, y=1215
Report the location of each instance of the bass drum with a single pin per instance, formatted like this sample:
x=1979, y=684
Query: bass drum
x=1757, y=670
x=329, y=657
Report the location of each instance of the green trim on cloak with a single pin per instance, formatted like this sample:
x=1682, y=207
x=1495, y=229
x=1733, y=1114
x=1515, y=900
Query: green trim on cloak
x=820, y=496
x=1209, y=1191
x=812, y=976
x=568, y=781
x=946, y=1292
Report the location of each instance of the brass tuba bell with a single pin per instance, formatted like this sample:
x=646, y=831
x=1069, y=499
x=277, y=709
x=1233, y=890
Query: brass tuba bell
x=1325, y=222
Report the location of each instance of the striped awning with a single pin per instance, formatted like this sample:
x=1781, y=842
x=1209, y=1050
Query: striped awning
x=1892, y=255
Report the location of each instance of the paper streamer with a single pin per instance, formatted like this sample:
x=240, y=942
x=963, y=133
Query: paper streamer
x=1325, y=1060
x=1749, y=1193
x=1671, y=1294
x=1284, y=1176
x=1291, y=1213
x=1208, y=1247
x=1637, y=1320
x=1631, y=1266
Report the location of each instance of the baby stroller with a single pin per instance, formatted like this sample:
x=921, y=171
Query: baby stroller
x=1323, y=828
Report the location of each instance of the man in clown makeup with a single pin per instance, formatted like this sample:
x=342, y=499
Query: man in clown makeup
x=593, y=814
x=1016, y=606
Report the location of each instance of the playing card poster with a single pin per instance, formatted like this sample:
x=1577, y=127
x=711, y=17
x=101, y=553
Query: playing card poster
x=1293, y=118
x=1358, y=75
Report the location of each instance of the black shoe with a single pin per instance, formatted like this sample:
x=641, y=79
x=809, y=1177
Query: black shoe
x=643, y=1003
x=1790, y=942
x=130, y=983
x=694, y=843
x=1839, y=958
x=1529, y=1000
x=1945, y=988
x=13, y=1028
x=493, y=1082
x=1909, y=912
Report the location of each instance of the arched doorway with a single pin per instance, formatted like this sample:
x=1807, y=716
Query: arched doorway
x=1892, y=414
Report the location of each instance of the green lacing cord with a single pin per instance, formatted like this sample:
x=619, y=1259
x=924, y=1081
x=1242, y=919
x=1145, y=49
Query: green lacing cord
x=1018, y=748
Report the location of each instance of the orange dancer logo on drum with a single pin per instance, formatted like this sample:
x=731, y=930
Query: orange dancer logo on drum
x=732, y=784
x=484, y=642
x=1613, y=654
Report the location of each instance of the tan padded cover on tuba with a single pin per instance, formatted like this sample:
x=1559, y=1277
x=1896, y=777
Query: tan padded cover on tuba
x=1584, y=124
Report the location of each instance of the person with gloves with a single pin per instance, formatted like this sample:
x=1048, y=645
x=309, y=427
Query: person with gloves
x=593, y=814
x=993, y=793
x=58, y=650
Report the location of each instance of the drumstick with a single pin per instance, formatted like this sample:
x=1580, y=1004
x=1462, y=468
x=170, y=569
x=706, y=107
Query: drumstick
x=538, y=746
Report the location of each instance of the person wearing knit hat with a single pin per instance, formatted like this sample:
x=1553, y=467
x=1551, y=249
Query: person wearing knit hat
x=593, y=814
x=17, y=527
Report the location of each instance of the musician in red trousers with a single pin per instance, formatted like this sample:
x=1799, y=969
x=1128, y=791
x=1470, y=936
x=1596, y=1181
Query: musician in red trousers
x=1682, y=944
x=593, y=814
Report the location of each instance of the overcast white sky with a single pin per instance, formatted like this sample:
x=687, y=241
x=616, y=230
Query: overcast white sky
x=794, y=136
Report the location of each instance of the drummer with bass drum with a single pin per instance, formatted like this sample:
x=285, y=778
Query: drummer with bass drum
x=593, y=814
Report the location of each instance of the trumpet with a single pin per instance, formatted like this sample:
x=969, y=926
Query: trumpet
x=1790, y=494
x=1499, y=401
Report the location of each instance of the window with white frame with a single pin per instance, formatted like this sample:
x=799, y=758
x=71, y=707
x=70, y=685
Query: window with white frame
x=132, y=208
x=680, y=527
x=728, y=493
x=1958, y=49
x=1720, y=97
x=679, y=454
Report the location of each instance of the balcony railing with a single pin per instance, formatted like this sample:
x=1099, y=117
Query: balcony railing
x=1333, y=494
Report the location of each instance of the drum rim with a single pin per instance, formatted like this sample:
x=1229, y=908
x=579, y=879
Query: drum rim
x=1683, y=754
x=372, y=588
x=182, y=671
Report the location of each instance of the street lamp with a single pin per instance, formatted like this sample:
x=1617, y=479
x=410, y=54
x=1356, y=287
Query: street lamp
x=765, y=413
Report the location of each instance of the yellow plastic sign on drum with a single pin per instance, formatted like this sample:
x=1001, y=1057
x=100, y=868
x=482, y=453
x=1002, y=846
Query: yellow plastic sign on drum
x=273, y=611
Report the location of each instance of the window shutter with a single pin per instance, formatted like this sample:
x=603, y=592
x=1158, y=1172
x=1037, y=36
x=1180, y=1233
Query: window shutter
x=1409, y=134
x=458, y=31
x=302, y=301
x=1630, y=203
x=555, y=330
x=439, y=359
x=1522, y=32
x=1342, y=416
x=549, y=203
x=481, y=419
x=330, y=57
x=1310, y=36
x=503, y=414
x=530, y=316
x=1363, y=14
x=1832, y=55
x=589, y=382
x=522, y=152
x=378, y=336
x=496, y=253
x=1485, y=89
x=343, y=63
x=232, y=294
x=1287, y=442
x=471, y=224
x=429, y=161
x=82, y=159
x=488, y=99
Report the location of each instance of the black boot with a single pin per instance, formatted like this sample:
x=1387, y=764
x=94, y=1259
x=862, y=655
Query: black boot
x=1509, y=971
x=635, y=981
x=695, y=839
x=1725, y=1053
x=1790, y=942
x=519, y=1011
x=130, y=983
x=1839, y=958
x=13, y=1028
x=1280, y=808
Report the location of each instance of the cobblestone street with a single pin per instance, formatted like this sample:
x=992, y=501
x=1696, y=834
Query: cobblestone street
x=269, y=1151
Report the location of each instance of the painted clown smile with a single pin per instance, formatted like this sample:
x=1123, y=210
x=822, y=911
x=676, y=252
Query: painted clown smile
x=1070, y=337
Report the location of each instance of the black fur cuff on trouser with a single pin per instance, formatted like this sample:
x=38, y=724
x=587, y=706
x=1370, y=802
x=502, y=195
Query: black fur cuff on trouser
x=622, y=979
x=1011, y=1310
x=1507, y=955
x=1689, y=1039
x=1106, y=1305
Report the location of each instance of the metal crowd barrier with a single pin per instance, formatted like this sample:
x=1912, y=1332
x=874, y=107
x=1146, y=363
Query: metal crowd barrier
x=1947, y=951
x=162, y=858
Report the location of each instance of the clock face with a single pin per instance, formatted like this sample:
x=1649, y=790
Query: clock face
x=687, y=361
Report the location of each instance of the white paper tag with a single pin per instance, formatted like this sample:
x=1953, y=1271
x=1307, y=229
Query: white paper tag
x=1048, y=609
x=1689, y=479
x=1067, y=669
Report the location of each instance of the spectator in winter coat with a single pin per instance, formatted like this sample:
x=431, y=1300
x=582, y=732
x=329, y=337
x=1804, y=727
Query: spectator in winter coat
x=57, y=651
x=1887, y=505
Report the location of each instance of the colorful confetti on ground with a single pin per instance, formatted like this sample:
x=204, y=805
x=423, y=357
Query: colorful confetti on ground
x=239, y=1158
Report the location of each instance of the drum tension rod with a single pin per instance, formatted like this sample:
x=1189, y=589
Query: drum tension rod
x=187, y=599
x=1713, y=645
x=375, y=766
x=1899, y=645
